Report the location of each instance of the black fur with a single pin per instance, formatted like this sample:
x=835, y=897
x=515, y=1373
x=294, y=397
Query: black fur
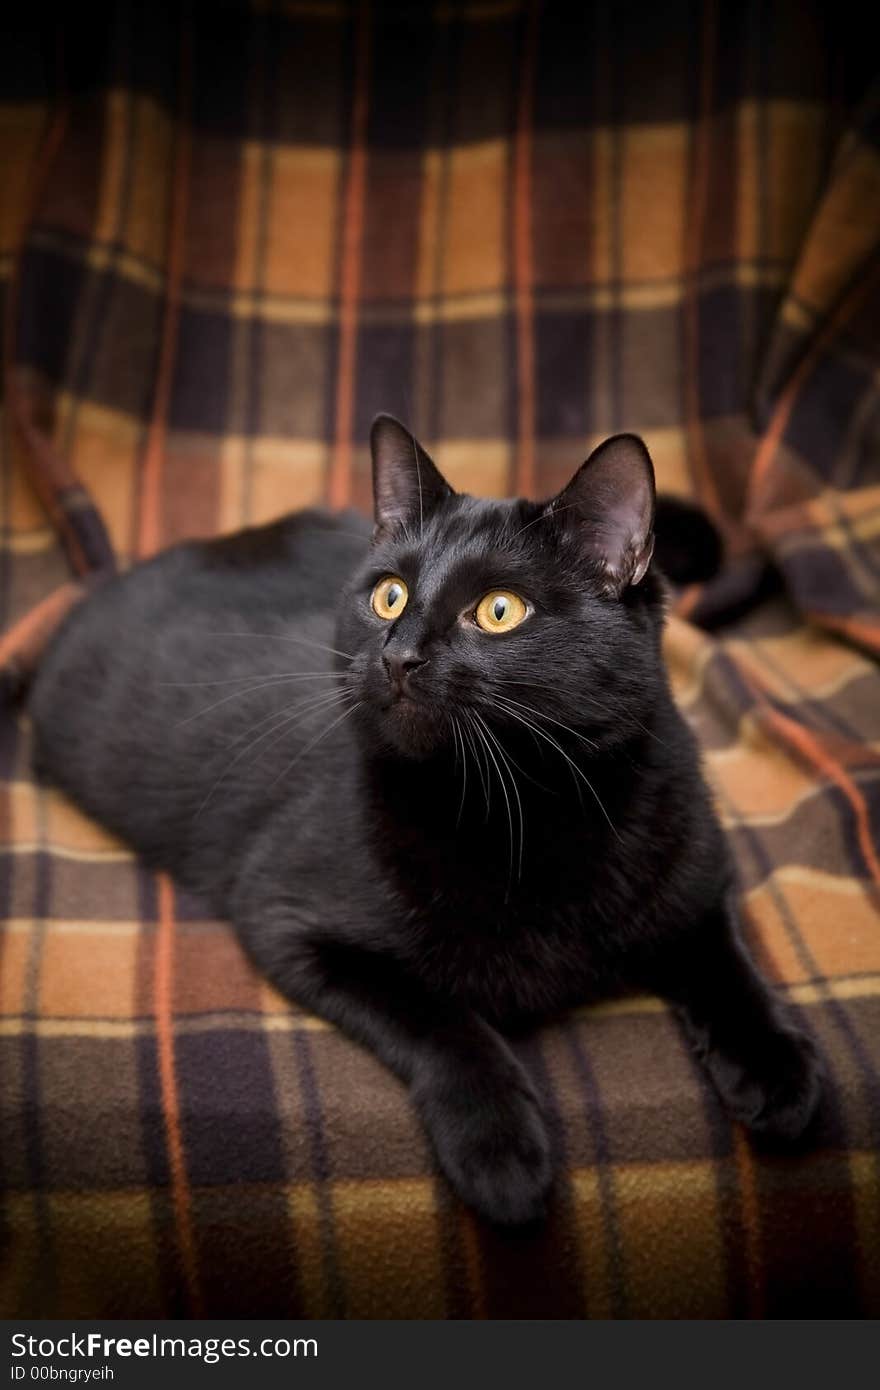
x=474, y=832
x=688, y=546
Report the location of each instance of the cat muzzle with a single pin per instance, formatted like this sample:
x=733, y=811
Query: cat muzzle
x=400, y=667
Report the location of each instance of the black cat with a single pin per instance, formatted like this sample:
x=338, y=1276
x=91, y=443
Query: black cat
x=437, y=781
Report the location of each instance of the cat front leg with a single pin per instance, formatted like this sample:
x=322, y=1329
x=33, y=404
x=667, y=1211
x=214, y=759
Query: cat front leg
x=765, y=1068
x=476, y=1101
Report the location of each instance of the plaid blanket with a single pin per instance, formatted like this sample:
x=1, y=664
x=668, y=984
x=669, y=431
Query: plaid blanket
x=228, y=235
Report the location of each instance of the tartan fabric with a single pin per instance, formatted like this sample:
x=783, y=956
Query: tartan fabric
x=229, y=235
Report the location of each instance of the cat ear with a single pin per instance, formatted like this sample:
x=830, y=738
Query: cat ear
x=610, y=500
x=406, y=483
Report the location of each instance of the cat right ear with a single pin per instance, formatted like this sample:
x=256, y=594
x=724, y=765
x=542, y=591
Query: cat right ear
x=610, y=503
x=407, y=484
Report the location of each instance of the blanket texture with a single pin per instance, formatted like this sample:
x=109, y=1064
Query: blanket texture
x=228, y=236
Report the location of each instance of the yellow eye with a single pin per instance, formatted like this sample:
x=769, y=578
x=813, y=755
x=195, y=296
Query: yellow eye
x=500, y=611
x=389, y=597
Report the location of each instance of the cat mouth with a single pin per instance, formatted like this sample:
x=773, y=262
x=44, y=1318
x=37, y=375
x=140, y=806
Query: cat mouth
x=403, y=697
x=407, y=705
x=411, y=722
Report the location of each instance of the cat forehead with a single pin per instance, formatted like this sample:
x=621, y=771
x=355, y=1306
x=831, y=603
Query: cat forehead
x=459, y=547
x=464, y=528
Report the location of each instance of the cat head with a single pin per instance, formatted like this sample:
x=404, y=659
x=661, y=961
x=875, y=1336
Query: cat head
x=512, y=612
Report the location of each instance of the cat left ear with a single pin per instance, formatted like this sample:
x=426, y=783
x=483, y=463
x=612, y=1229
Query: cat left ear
x=611, y=502
x=407, y=484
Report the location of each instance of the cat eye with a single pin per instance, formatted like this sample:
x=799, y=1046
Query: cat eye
x=389, y=597
x=500, y=611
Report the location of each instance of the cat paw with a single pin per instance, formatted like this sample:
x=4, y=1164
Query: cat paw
x=777, y=1094
x=491, y=1141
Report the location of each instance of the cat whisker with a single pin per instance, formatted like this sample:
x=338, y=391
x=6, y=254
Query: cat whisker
x=314, y=702
x=311, y=707
x=419, y=477
x=574, y=766
x=314, y=709
x=616, y=709
x=537, y=733
x=540, y=733
x=625, y=708
x=520, y=769
x=267, y=684
x=597, y=704
x=507, y=761
x=530, y=685
x=267, y=675
x=539, y=714
x=545, y=516
x=284, y=637
x=480, y=727
x=479, y=741
x=478, y=762
x=313, y=742
x=459, y=740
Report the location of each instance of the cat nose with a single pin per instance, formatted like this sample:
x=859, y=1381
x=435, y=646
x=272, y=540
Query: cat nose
x=399, y=665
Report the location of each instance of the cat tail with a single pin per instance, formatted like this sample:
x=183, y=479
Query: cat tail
x=687, y=545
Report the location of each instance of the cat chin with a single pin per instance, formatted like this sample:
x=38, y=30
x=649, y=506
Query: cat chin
x=411, y=729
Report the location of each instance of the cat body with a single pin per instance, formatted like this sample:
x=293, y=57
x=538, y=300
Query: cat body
x=433, y=833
